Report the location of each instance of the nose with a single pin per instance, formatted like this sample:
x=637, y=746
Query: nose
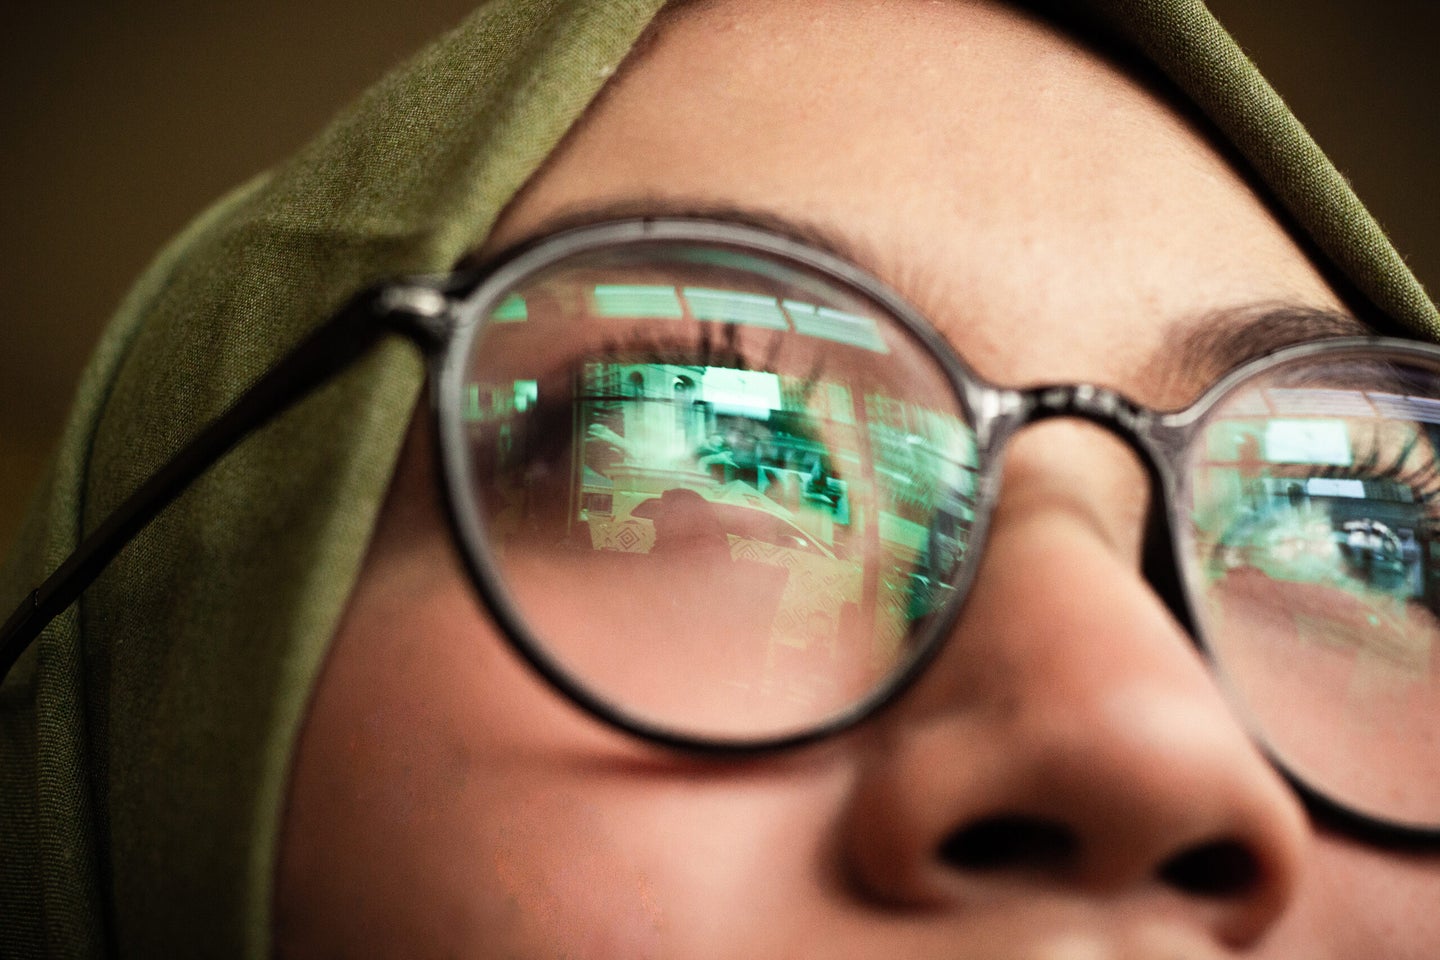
x=1069, y=740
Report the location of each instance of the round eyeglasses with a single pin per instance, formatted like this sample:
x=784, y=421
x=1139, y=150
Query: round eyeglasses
x=728, y=492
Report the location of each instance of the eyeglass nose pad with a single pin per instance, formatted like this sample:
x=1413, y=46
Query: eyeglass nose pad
x=1158, y=564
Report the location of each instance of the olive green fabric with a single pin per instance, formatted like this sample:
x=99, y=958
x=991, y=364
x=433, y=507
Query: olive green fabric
x=145, y=739
x=142, y=792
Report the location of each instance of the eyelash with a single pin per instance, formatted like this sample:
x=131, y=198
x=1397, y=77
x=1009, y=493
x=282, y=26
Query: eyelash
x=547, y=425
x=1423, y=481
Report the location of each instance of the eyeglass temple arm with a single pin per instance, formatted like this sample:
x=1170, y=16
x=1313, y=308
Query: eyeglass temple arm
x=419, y=309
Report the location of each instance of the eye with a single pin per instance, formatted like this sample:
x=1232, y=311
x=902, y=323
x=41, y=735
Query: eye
x=1342, y=502
x=1324, y=531
x=1381, y=557
x=1333, y=543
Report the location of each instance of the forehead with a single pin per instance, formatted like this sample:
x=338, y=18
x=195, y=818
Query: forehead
x=1054, y=217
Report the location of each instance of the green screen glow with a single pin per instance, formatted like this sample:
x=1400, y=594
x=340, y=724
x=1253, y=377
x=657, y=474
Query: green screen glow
x=510, y=310
x=728, y=306
x=742, y=391
x=637, y=300
x=1307, y=441
x=836, y=325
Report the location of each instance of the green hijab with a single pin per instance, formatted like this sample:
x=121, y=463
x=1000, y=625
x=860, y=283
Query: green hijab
x=145, y=739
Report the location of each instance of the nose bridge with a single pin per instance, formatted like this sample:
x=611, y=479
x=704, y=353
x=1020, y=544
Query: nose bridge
x=1096, y=758
x=1136, y=427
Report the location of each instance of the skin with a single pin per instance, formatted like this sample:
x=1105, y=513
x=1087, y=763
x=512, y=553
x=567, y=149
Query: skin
x=1019, y=189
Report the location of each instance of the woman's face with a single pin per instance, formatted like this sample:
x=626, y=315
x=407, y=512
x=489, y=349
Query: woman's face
x=1066, y=781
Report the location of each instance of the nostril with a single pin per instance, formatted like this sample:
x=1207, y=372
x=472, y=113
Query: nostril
x=1225, y=868
x=1011, y=843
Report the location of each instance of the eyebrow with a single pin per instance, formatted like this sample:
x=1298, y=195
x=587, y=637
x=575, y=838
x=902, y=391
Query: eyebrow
x=1214, y=343
x=1210, y=344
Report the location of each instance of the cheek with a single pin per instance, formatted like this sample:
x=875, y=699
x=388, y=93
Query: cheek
x=1361, y=902
x=444, y=801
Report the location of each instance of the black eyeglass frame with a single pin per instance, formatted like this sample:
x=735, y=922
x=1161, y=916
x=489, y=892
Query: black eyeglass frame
x=443, y=316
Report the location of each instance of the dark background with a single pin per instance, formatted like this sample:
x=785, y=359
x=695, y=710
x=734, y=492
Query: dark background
x=124, y=118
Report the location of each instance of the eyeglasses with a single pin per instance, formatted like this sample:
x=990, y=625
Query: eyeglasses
x=728, y=493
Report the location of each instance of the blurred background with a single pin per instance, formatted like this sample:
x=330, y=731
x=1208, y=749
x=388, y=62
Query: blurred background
x=124, y=119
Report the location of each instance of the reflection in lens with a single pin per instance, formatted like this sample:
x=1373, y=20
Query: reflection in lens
x=723, y=493
x=1314, y=550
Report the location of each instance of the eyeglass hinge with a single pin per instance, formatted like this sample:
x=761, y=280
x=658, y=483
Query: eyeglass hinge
x=420, y=309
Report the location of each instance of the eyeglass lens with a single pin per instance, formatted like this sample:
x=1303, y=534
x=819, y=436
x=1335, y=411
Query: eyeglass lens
x=1312, y=504
x=725, y=494
x=719, y=489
